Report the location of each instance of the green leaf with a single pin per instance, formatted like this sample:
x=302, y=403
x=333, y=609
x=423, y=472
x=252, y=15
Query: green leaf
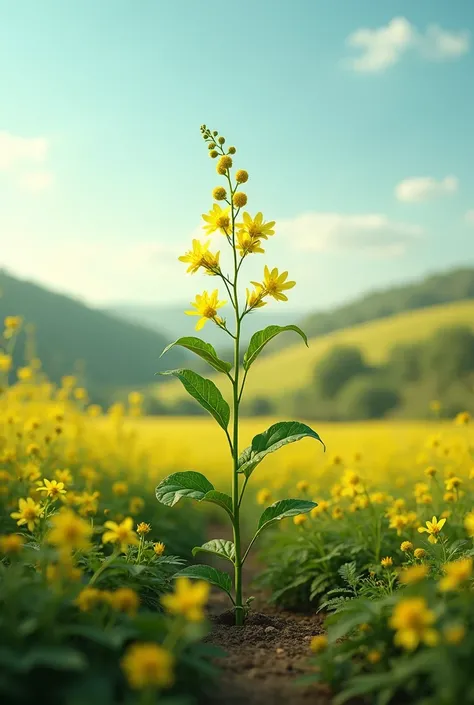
x=182, y=484
x=203, y=350
x=262, y=337
x=220, y=498
x=278, y=435
x=218, y=547
x=206, y=393
x=211, y=575
x=282, y=509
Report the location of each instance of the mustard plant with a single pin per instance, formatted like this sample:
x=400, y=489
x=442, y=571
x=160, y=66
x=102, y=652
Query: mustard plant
x=245, y=235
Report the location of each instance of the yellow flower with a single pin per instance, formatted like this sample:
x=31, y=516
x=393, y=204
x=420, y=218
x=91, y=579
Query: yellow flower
x=24, y=373
x=430, y=471
x=399, y=522
x=374, y=656
x=29, y=513
x=219, y=193
x=320, y=508
x=11, y=543
x=255, y=298
x=206, y=306
x=52, y=488
x=239, y=199
x=143, y=528
x=454, y=633
x=159, y=548
x=452, y=483
x=248, y=245
x=457, y=572
x=5, y=362
x=419, y=553
x=241, y=176
x=263, y=496
x=63, y=476
x=256, y=228
x=432, y=528
x=125, y=600
x=302, y=486
x=88, y=598
x=122, y=534
x=12, y=322
x=318, y=643
x=136, y=505
x=148, y=666
x=300, y=519
x=413, y=622
x=386, y=562
x=463, y=418
x=337, y=513
x=469, y=524
x=69, y=531
x=274, y=284
x=218, y=219
x=120, y=489
x=224, y=164
x=188, y=599
x=413, y=574
x=200, y=256
x=406, y=546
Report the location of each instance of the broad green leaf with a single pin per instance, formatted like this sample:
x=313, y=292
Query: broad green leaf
x=206, y=572
x=206, y=393
x=220, y=498
x=262, y=337
x=218, y=547
x=278, y=435
x=203, y=350
x=282, y=509
x=182, y=484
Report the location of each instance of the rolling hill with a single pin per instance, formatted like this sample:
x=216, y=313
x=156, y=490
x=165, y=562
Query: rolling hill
x=110, y=352
x=289, y=369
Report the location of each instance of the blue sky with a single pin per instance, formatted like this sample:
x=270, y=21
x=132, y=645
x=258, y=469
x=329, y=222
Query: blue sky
x=353, y=118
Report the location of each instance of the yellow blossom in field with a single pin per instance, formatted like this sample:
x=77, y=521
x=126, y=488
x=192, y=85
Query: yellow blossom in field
x=318, y=643
x=256, y=228
x=125, y=600
x=454, y=633
x=11, y=543
x=419, y=553
x=469, y=524
x=12, y=323
x=69, y=531
x=430, y=471
x=452, y=483
x=378, y=497
x=386, y=562
x=406, y=546
x=148, y=666
x=413, y=624
x=432, y=528
x=239, y=199
x=456, y=573
x=337, y=513
x=413, y=574
x=120, y=489
x=463, y=418
x=24, y=374
x=224, y=164
x=300, y=519
x=255, y=298
x=136, y=505
x=5, y=362
x=143, y=528
x=248, y=245
x=374, y=656
x=399, y=522
x=219, y=193
x=159, y=548
x=88, y=598
x=121, y=534
x=263, y=496
x=29, y=513
x=94, y=410
x=218, y=219
x=188, y=599
x=320, y=508
x=80, y=394
x=88, y=503
x=274, y=284
x=206, y=306
x=302, y=486
x=241, y=176
x=51, y=488
x=200, y=256
x=449, y=497
x=63, y=476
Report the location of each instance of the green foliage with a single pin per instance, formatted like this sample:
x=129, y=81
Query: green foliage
x=203, y=350
x=367, y=398
x=218, y=547
x=182, y=484
x=282, y=509
x=275, y=437
x=449, y=355
x=206, y=393
x=260, y=339
x=340, y=365
x=221, y=499
x=211, y=575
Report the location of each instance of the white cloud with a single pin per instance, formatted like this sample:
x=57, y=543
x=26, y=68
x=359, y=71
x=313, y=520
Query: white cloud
x=469, y=217
x=425, y=188
x=371, y=233
x=384, y=46
x=36, y=181
x=15, y=150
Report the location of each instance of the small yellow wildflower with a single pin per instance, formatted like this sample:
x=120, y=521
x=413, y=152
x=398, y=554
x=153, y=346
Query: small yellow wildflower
x=240, y=199
x=11, y=543
x=318, y=643
x=374, y=656
x=263, y=496
x=88, y=598
x=206, y=306
x=121, y=534
x=419, y=553
x=430, y=471
x=120, y=489
x=52, y=488
x=469, y=524
x=224, y=164
x=412, y=621
x=406, y=546
x=200, y=256
x=159, y=548
x=386, y=562
x=29, y=513
x=218, y=219
x=302, y=486
x=457, y=572
x=219, y=193
x=452, y=483
x=63, y=476
x=300, y=519
x=24, y=374
x=125, y=600
x=148, y=666
x=399, y=522
x=188, y=599
x=463, y=418
x=241, y=176
x=69, y=531
x=143, y=528
x=454, y=633
x=5, y=362
x=274, y=284
x=432, y=528
x=255, y=298
x=413, y=574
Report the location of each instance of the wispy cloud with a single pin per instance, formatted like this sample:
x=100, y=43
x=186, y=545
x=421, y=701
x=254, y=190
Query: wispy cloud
x=16, y=150
x=36, y=181
x=370, y=233
x=425, y=188
x=384, y=46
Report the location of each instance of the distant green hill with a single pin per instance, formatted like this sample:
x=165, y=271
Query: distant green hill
x=443, y=288
x=111, y=353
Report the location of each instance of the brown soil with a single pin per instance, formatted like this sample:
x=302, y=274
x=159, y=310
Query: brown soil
x=266, y=657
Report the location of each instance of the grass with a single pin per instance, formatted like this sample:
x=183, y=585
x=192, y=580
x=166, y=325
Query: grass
x=293, y=367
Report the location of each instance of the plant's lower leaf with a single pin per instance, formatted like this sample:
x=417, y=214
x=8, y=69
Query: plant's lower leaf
x=182, y=484
x=284, y=508
x=219, y=547
x=211, y=575
x=221, y=499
